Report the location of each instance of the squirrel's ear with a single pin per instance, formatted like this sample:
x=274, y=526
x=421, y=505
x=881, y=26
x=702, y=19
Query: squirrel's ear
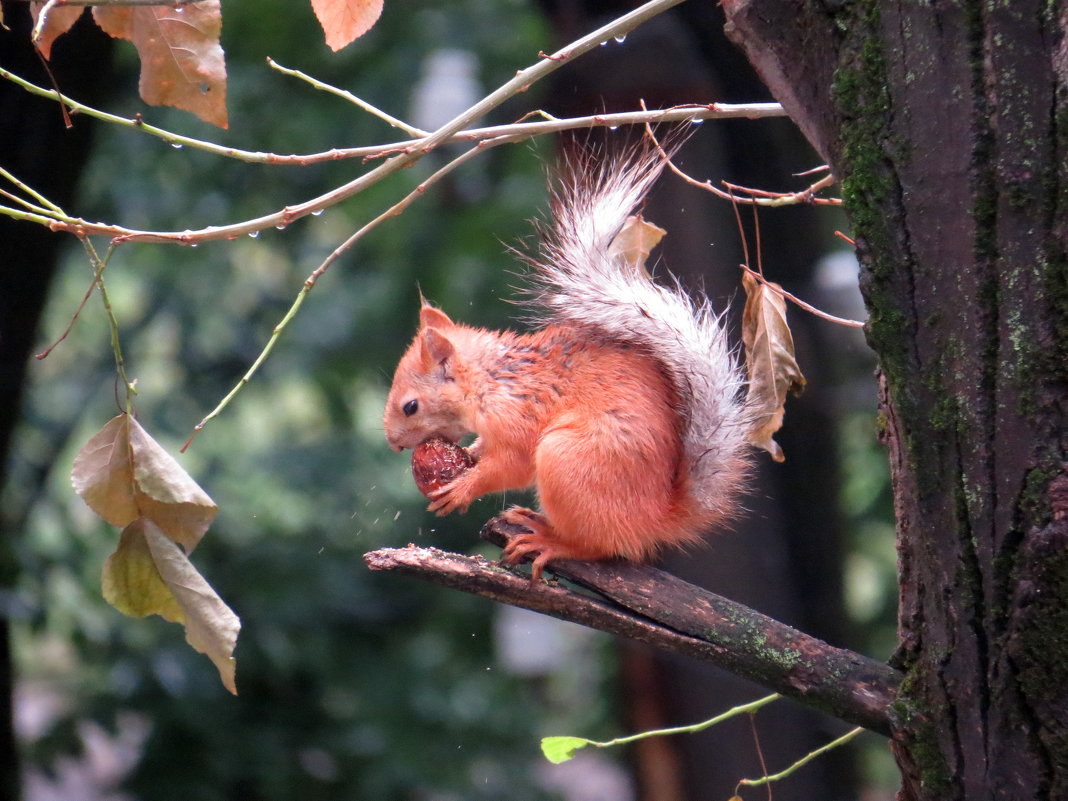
x=435, y=350
x=429, y=317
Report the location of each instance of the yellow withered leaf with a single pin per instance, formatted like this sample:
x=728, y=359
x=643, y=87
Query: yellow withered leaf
x=124, y=474
x=149, y=575
x=769, y=361
x=635, y=241
x=131, y=581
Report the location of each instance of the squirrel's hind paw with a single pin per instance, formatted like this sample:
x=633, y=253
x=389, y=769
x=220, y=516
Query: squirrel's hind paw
x=539, y=541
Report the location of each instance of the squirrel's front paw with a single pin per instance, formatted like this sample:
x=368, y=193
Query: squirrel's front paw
x=454, y=495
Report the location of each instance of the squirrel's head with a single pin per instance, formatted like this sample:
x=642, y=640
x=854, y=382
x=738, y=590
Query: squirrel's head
x=425, y=400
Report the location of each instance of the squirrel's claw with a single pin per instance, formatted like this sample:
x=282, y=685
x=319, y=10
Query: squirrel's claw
x=539, y=541
x=449, y=498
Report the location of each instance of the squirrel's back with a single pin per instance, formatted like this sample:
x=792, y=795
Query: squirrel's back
x=580, y=283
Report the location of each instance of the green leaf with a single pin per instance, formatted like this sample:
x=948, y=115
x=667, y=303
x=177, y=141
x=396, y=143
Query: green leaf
x=561, y=749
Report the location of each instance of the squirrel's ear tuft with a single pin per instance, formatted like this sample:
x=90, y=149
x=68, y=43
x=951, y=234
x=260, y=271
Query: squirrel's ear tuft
x=435, y=350
x=429, y=317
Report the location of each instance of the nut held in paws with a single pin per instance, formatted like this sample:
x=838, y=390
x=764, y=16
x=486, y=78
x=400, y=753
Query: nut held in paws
x=436, y=462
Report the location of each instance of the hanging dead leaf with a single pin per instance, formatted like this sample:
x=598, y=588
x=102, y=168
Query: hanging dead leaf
x=344, y=21
x=182, y=61
x=149, y=575
x=131, y=581
x=60, y=19
x=123, y=474
x=769, y=361
x=635, y=241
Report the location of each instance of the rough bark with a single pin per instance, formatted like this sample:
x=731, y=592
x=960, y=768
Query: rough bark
x=37, y=148
x=947, y=125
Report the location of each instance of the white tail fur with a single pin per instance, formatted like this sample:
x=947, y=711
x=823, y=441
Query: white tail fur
x=579, y=284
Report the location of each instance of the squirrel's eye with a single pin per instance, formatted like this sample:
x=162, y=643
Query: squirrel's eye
x=410, y=408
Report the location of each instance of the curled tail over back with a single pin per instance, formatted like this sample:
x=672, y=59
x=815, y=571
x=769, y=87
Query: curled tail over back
x=579, y=283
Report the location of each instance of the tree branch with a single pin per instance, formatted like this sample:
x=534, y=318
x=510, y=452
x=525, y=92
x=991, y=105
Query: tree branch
x=645, y=604
x=521, y=82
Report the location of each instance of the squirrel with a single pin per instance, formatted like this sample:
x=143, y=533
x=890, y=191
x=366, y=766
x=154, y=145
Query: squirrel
x=625, y=410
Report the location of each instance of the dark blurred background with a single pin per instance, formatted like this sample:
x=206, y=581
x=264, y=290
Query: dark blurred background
x=355, y=685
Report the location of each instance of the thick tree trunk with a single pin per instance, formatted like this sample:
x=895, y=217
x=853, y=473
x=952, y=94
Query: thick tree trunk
x=34, y=146
x=947, y=125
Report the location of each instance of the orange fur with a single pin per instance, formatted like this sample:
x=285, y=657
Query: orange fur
x=592, y=424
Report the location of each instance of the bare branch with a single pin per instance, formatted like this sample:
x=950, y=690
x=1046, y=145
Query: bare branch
x=522, y=81
x=318, y=272
x=642, y=603
x=550, y=124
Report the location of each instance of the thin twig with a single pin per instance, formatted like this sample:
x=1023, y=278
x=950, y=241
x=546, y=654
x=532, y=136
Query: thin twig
x=316, y=274
x=99, y=264
x=750, y=708
x=344, y=94
x=789, y=198
x=759, y=750
x=45, y=204
x=522, y=81
x=823, y=749
x=32, y=207
x=74, y=318
x=741, y=230
x=757, y=197
x=685, y=113
x=796, y=300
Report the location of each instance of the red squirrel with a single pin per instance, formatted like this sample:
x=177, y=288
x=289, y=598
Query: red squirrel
x=625, y=410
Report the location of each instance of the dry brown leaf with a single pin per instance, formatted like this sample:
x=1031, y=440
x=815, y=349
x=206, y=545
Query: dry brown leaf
x=769, y=361
x=60, y=20
x=148, y=574
x=124, y=474
x=182, y=62
x=344, y=21
x=635, y=241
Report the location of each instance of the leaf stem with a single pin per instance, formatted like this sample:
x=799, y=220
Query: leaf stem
x=733, y=712
x=823, y=749
x=99, y=265
x=798, y=302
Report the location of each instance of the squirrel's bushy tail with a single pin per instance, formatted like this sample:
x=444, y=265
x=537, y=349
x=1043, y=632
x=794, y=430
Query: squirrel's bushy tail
x=579, y=283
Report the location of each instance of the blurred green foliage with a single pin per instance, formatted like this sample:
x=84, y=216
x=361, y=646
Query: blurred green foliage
x=352, y=685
